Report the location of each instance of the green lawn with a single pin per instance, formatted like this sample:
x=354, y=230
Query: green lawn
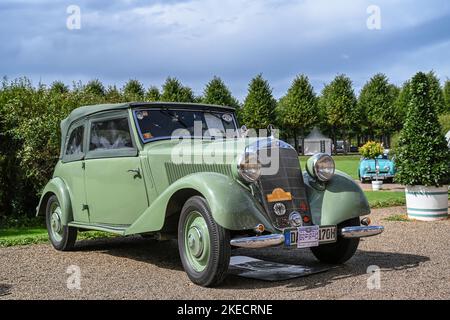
x=32, y=235
x=347, y=164
x=382, y=199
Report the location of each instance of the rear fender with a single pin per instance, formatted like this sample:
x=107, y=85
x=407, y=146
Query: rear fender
x=57, y=187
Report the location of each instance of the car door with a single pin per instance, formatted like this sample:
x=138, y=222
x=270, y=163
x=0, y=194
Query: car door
x=73, y=163
x=115, y=187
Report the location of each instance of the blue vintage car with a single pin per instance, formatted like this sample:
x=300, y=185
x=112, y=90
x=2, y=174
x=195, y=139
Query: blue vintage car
x=367, y=168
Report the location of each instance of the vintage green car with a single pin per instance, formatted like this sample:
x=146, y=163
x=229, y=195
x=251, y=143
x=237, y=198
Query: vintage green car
x=188, y=172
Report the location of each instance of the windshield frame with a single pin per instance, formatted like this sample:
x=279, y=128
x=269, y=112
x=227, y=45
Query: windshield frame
x=203, y=110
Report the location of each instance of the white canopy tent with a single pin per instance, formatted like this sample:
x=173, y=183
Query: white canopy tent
x=316, y=142
x=447, y=136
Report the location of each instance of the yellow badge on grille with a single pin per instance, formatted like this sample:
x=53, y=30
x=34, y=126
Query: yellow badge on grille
x=279, y=194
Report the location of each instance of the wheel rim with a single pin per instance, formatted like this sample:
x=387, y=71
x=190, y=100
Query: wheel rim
x=56, y=227
x=196, y=241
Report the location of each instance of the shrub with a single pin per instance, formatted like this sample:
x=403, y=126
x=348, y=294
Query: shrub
x=371, y=150
x=423, y=157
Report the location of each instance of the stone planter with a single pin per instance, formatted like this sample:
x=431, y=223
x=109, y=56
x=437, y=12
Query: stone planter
x=377, y=185
x=427, y=203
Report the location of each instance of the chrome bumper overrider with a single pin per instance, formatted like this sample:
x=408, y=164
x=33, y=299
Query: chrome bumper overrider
x=258, y=241
x=277, y=239
x=360, y=231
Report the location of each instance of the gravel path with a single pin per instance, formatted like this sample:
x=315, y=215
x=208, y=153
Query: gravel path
x=414, y=258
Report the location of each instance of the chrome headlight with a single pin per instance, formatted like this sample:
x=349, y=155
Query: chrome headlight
x=249, y=167
x=321, y=166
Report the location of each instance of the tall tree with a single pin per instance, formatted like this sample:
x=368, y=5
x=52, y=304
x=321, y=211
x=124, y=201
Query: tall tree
x=423, y=157
x=216, y=92
x=59, y=87
x=133, y=90
x=377, y=101
x=437, y=95
x=259, y=105
x=401, y=104
x=174, y=91
x=112, y=95
x=95, y=87
x=153, y=94
x=447, y=95
x=338, y=107
x=298, y=109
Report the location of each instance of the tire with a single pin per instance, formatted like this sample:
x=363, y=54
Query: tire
x=204, y=246
x=62, y=237
x=340, y=251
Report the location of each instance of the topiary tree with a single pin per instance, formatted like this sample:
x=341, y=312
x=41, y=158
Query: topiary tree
x=152, y=94
x=298, y=111
x=422, y=155
x=447, y=96
x=216, y=92
x=95, y=87
x=377, y=100
x=58, y=87
x=112, y=95
x=338, y=106
x=436, y=93
x=174, y=91
x=401, y=104
x=133, y=91
x=259, y=105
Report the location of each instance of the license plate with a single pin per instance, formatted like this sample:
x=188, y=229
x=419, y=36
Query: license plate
x=310, y=236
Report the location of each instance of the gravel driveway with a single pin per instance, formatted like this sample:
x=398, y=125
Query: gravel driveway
x=414, y=258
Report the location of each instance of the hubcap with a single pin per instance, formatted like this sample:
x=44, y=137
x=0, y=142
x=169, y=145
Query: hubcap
x=56, y=227
x=196, y=240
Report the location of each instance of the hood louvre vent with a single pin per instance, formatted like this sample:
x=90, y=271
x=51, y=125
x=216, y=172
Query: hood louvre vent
x=178, y=171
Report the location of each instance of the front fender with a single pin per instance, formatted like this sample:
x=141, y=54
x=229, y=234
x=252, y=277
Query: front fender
x=57, y=187
x=342, y=199
x=232, y=206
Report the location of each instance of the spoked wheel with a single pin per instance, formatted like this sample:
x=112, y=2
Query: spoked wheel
x=62, y=237
x=204, y=246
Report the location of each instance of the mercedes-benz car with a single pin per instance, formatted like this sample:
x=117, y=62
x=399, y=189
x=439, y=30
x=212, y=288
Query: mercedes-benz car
x=188, y=172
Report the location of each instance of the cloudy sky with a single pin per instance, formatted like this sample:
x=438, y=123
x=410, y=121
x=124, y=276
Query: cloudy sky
x=234, y=39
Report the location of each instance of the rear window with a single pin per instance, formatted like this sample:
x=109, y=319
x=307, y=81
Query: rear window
x=75, y=142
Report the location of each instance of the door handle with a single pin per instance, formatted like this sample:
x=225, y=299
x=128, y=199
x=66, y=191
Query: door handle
x=137, y=172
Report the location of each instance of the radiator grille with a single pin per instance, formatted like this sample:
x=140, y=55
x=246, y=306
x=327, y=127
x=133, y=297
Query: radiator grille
x=289, y=178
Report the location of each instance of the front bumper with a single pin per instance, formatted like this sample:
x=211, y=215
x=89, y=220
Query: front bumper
x=381, y=176
x=272, y=240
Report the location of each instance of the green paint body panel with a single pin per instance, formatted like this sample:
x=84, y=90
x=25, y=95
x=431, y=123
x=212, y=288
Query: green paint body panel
x=102, y=194
x=232, y=206
x=57, y=187
x=114, y=195
x=340, y=200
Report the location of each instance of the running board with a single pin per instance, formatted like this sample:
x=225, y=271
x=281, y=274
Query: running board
x=120, y=230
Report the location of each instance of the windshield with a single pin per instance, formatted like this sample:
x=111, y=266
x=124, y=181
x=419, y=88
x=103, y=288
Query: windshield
x=165, y=124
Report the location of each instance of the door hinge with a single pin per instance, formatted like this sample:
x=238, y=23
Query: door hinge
x=84, y=207
x=83, y=165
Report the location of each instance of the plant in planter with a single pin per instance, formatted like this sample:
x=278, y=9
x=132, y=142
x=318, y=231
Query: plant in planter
x=423, y=159
x=372, y=150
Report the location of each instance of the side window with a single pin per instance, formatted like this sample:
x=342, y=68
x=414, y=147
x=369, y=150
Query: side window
x=110, y=134
x=75, y=143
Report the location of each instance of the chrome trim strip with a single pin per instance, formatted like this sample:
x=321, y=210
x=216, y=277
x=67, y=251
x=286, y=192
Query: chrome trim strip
x=360, y=231
x=258, y=241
